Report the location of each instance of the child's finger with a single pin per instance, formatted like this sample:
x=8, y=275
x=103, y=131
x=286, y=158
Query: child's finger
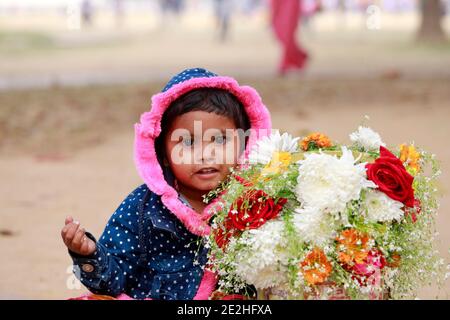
x=91, y=245
x=76, y=241
x=70, y=233
x=69, y=225
x=87, y=246
x=84, y=245
x=69, y=219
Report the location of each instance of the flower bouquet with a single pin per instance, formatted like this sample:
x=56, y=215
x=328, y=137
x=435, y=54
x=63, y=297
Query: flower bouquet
x=312, y=219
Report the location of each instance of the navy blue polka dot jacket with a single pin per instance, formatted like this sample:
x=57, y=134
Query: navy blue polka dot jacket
x=152, y=245
x=145, y=252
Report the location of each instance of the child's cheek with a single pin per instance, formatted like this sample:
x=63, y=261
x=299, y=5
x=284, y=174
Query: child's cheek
x=183, y=173
x=231, y=156
x=237, y=149
x=181, y=155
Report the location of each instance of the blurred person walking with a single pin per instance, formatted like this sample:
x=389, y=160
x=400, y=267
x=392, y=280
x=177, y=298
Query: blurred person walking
x=171, y=10
x=87, y=13
x=249, y=7
x=223, y=10
x=285, y=18
x=171, y=6
x=432, y=14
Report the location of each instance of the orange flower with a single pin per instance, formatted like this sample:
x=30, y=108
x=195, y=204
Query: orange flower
x=317, y=140
x=395, y=260
x=410, y=156
x=352, y=247
x=316, y=268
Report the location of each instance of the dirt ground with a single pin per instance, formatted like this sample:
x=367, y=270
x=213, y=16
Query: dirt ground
x=68, y=150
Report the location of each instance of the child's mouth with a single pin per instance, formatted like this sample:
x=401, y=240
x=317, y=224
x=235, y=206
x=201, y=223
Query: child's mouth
x=207, y=173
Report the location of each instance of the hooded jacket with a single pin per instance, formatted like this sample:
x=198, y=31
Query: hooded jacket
x=149, y=248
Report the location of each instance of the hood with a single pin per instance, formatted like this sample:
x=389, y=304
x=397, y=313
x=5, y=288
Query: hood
x=149, y=129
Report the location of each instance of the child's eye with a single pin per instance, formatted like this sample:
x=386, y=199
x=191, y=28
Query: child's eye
x=220, y=139
x=187, y=141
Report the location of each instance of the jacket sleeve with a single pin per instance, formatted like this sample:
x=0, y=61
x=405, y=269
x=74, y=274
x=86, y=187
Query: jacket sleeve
x=107, y=270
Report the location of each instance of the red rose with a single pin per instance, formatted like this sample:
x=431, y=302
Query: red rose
x=244, y=182
x=414, y=212
x=253, y=209
x=391, y=177
x=222, y=236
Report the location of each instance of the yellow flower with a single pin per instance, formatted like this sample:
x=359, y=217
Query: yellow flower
x=279, y=163
x=317, y=139
x=410, y=156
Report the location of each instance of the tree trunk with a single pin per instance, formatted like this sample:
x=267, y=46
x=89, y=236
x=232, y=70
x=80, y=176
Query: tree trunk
x=431, y=28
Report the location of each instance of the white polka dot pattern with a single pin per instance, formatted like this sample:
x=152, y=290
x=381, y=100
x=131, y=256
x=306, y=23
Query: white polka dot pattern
x=188, y=74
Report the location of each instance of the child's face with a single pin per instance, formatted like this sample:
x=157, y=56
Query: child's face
x=201, y=148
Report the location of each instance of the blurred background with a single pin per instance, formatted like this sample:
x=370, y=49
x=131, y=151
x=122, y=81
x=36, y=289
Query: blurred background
x=76, y=74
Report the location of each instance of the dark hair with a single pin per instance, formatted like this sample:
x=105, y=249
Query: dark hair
x=218, y=101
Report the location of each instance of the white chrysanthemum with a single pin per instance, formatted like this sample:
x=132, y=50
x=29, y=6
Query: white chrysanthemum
x=367, y=139
x=328, y=183
x=269, y=276
x=261, y=262
x=265, y=148
x=314, y=225
x=380, y=208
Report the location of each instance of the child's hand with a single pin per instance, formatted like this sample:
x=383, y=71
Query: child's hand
x=75, y=238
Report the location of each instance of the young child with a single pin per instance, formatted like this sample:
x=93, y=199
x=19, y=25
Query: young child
x=149, y=246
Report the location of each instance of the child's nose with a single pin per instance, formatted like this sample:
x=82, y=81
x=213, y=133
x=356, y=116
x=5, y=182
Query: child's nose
x=207, y=152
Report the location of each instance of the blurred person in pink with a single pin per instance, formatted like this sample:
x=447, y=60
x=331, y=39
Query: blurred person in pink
x=285, y=17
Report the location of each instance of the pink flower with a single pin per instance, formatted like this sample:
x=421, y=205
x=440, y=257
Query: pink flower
x=372, y=265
